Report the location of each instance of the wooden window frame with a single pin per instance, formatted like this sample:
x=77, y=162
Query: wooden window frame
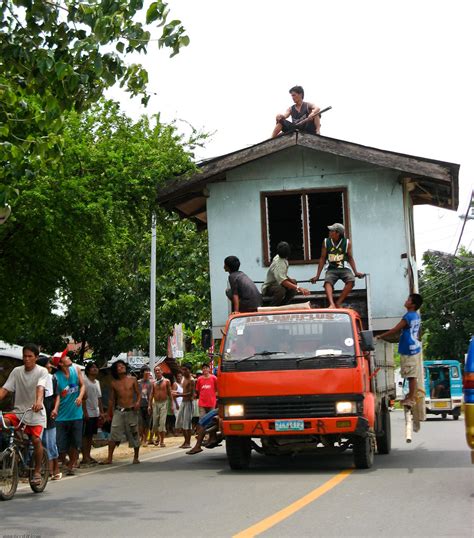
x=306, y=242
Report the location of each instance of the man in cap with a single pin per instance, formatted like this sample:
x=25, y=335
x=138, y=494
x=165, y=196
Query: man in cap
x=69, y=421
x=336, y=250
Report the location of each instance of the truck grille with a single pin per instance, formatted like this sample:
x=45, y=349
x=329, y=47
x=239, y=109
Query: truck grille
x=289, y=407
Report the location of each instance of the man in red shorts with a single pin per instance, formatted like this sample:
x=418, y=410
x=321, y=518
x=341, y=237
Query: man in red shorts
x=28, y=383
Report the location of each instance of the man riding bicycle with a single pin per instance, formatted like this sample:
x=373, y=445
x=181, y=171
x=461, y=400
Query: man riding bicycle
x=28, y=383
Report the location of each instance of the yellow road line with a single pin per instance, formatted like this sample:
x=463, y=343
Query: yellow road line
x=285, y=513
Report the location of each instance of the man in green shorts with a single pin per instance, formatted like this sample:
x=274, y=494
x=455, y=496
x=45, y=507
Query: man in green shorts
x=336, y=250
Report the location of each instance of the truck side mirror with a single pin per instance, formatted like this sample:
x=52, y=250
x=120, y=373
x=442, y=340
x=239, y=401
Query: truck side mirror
x=206, y=338
x=367, y=340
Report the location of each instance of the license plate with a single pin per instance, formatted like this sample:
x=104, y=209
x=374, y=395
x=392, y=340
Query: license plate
x=289, y=425
x=441, y=405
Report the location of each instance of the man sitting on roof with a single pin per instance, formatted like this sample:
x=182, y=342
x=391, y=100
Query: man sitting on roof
x=301, y=111
x=336, y=250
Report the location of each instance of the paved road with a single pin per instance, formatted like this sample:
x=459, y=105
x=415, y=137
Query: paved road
x=422, y=489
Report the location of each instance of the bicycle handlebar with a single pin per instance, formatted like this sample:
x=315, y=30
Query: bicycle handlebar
x=5, y=426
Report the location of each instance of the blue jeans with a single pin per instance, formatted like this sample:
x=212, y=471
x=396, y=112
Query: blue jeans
x=49, y=443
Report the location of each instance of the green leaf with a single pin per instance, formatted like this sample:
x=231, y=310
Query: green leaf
x=152, y=13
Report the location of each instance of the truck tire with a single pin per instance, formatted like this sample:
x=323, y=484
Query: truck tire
x=384, y=440
x=238, y=451
x=363, y=449
x=456, y=413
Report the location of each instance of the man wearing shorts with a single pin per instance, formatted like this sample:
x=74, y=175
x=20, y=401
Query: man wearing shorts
x=70, y=415
x=409, y=345
x=301, y=111
x=160, y=395
x=28, y=383
x=184, y=420
x=145, y=386
x=124, y=403
x=336, y=250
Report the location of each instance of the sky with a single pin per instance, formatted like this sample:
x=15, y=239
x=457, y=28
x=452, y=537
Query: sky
x=397, y=74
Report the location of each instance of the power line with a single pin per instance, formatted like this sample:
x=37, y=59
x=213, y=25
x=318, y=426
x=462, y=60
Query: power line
x=451, y=291
x=464, y=223
x=450, y=303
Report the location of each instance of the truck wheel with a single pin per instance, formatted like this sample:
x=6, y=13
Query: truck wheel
x=238, y=451
x=384, y=441
x=444, y=416
x=456, y=414
x=363, y=452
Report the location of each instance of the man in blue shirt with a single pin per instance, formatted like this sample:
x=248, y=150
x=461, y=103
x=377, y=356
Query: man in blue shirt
x=71, y=390
x=409, y=345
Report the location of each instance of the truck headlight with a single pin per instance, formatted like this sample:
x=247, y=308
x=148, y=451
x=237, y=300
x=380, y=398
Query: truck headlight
x=234, y=410
x=345, y=408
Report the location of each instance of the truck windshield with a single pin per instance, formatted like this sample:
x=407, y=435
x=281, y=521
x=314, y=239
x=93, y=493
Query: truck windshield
x=280, y=336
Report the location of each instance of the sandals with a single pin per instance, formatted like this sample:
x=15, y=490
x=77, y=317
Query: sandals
x=36, y=480
x=57, y=476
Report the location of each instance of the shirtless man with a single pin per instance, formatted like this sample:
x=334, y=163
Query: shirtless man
x=124, y=403
x=299, y=112
x=185, y=413
x=159, y=403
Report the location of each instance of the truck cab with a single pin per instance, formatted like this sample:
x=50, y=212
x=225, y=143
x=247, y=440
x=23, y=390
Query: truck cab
x=443, y=386
x=303, y=380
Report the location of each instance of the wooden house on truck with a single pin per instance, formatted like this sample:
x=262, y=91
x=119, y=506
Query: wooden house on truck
x=290, y=189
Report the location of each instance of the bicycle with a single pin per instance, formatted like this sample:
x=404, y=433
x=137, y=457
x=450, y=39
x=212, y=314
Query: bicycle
x=16, y=460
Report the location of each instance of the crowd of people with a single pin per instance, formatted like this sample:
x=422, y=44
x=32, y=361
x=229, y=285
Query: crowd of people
x=63, y=411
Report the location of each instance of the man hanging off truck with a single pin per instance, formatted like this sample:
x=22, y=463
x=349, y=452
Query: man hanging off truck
x=304, y=115
x=336, y=250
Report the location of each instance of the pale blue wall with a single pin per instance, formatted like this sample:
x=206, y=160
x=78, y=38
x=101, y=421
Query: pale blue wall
x=376, y=221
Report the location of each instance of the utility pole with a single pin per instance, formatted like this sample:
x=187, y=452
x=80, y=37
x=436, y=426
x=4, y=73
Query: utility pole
x=152, y=352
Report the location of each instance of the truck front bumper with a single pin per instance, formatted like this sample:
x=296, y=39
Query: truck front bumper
x=346, y=425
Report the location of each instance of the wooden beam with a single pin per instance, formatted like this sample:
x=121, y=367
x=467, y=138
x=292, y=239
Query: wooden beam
x=222, y=164
x=387, y=159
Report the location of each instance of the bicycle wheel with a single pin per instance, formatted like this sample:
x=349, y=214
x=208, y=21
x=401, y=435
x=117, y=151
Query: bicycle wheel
x=8, y=475
x=38, y=487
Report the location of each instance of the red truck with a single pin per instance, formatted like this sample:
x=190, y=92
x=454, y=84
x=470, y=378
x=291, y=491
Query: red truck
x=303, y=380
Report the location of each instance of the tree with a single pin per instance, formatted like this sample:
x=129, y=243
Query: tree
x=447, y=287
x=80, y=237
x=57, y=56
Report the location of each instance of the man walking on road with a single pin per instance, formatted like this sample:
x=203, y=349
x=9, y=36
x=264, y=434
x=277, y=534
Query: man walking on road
x=28, y=382
x=124, y=403
x=159, y=403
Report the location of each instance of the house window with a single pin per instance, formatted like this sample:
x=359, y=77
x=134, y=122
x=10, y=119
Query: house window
x=301, y=219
